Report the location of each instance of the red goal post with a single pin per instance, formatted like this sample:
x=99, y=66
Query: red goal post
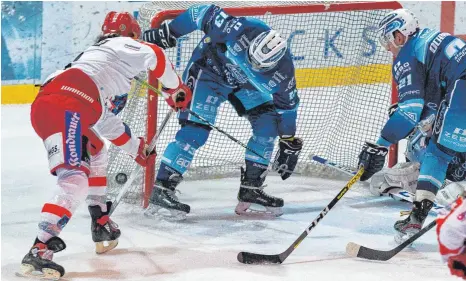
x=152, y=98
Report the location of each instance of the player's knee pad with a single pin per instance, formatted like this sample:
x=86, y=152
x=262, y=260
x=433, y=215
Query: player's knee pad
x=73, y=186
x=261, y=145
x=287, y=156
x=433, y=171
x=72, y=190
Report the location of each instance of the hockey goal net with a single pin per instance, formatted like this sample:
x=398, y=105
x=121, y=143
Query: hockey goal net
x=342, y=74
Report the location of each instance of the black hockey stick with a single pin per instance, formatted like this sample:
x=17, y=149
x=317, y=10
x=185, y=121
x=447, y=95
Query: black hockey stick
x=356, y=250
x=252, y=258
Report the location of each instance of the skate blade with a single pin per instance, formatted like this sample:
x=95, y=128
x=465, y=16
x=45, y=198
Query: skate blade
x=28, y=271
x=154, y=211
x=244, y=209
x=101, y=248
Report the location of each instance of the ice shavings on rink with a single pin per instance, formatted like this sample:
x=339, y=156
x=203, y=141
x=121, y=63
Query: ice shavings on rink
x=205, y=246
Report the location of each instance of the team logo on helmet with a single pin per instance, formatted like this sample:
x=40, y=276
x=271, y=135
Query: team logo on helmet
x=122, y=27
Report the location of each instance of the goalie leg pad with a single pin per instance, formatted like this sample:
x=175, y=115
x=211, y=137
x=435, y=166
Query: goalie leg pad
x=287, y=156
x=402, y=175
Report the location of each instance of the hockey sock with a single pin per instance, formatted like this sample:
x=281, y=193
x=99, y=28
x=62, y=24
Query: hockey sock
x=72, y=190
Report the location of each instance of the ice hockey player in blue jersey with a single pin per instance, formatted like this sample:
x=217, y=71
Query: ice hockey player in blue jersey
x=244, y=61
x=430, y=71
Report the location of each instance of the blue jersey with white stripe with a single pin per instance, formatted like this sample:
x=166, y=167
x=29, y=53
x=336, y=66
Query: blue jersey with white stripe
x=426, y=66
x=222, y=53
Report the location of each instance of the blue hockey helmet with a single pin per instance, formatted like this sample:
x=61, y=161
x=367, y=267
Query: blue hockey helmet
x=402, y=20
x=266, y=50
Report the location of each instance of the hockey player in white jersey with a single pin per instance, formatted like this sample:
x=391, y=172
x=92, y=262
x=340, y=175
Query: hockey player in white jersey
x=451, y=236
x=71, y=113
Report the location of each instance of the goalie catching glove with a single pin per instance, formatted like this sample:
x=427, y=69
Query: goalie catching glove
x=287, y=156
x=160, y=36
x=178, y=98
x=372, y=157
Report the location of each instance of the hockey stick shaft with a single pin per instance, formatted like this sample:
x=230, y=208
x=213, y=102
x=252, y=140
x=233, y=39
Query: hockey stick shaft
x=165, y=96
x=135, y=173
x=356, y=250
x=246, y=257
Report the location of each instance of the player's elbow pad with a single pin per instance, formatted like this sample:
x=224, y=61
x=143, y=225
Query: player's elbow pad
x=126, y=142
x=403, y=121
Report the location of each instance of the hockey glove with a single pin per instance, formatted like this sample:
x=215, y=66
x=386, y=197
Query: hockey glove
x=287, y=156
x=160, y=36
x=179, y=98
x=372, y=157
x=144, y=157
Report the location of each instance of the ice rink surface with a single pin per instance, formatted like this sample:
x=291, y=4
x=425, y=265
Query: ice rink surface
x=205, y=246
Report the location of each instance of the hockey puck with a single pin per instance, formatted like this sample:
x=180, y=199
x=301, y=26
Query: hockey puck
x=121, y=178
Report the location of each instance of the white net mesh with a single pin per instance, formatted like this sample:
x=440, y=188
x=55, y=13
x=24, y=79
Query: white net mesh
x=343, y=79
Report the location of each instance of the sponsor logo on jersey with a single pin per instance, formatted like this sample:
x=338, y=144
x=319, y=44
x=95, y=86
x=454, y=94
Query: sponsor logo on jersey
x=399, y=69
x=408, y=93
x=53, y=150
x=236, y=72
x=195, y=13
x=277, y=78
x=437, y=41
x=458, y=134
x=182, y=162
x=73, y=138
x=77, y=92
x=235, y=24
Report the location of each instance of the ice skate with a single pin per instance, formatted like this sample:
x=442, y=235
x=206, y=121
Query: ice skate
x=165, y=204
x=38, y=262
x=105, y=232
x=413, y=223
x=253, y=200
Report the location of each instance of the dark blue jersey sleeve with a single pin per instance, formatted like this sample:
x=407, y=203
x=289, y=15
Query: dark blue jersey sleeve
x=208, y=18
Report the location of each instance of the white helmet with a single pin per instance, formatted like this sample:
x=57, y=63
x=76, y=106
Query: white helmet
x=266, y=50
x=401, y=20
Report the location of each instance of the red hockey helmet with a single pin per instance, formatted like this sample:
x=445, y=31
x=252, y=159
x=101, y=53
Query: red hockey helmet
x=122, y=23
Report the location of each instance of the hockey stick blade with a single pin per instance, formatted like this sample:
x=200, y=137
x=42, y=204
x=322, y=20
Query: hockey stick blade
x=356, y=250
x=252, y=258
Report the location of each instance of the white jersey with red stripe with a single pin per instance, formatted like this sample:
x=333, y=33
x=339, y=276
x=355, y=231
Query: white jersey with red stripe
x=451, y=230
x=112, y=63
